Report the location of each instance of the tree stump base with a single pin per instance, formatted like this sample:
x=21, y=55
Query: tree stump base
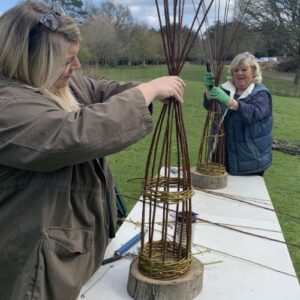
x=140, y=287
x=204, y=181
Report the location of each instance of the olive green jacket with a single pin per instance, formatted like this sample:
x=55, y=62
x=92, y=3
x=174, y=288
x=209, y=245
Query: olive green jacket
x=57, y=207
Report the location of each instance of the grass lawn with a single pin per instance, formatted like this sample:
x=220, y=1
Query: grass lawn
x=282, y=178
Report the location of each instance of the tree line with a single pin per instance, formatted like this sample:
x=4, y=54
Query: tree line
x=110, y=36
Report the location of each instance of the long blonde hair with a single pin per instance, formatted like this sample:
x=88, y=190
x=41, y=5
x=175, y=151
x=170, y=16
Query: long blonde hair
x=34, y=55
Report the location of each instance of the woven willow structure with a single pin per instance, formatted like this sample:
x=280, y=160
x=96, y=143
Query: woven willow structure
x=165, y=251
x=211, y=157
x=217, y=40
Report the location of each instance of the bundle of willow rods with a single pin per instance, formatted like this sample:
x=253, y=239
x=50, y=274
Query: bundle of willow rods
x=217, y=41
x=167, y=179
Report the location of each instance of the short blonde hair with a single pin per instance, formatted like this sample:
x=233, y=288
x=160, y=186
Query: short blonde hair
x=246, y=59
x=31, y=53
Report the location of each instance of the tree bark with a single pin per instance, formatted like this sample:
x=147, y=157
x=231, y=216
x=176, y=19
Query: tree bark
x=297, y=76
x=286, y=147
x=140, y=287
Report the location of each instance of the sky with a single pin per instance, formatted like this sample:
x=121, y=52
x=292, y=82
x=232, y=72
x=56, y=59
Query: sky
x=6, y=4
x=143, y=11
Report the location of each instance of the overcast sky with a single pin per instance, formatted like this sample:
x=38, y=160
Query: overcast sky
x=143, y=11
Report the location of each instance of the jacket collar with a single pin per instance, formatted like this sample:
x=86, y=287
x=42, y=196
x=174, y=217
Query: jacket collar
x=228, y=86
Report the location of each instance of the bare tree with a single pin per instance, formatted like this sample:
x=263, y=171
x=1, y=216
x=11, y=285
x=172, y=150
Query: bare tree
x=100, y=37
x=249, y=39
x=116, y=14
x=111, y=23
x=279, y=21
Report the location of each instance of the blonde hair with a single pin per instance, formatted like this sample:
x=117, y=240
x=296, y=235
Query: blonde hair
x=34, y=55
x=246, y=59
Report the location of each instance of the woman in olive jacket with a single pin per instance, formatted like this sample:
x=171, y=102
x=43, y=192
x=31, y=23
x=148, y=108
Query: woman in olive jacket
x=57, y=205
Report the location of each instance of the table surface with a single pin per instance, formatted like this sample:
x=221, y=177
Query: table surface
x=237, y=266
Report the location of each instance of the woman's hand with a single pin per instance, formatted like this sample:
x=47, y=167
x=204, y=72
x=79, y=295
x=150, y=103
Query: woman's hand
x=162, y=88
x=219, y=95
x=209, y=80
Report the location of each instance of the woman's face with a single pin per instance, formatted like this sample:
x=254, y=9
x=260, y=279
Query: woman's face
x=242, y=77
x=72, y=63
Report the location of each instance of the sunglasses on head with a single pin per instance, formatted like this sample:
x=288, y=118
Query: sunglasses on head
x=51, y=19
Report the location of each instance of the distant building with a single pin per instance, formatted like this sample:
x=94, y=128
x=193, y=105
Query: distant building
x=264, y=59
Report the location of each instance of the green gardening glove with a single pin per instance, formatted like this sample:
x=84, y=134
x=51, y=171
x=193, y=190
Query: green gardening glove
x=219, y=95
x=209, y=80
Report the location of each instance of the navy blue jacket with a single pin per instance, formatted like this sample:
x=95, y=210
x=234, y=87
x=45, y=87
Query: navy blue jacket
x=248, y=132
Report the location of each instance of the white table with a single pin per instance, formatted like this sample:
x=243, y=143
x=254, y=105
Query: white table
x=237, y=267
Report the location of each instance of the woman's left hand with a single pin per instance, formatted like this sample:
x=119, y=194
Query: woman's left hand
x=219, y=95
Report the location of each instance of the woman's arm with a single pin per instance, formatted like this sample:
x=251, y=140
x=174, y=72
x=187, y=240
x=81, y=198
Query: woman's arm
x=37, y=135
x=89, y=91
x=256, y=108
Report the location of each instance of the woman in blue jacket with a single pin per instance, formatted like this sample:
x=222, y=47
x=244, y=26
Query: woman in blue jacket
x=247, y=107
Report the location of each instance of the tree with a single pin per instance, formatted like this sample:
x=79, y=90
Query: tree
x=85, y=56
x=279, y=21
x=116, y=14
x=100, y=38
x=187, y=39
x=112, y=25
x=157, y=55
x=144, y=46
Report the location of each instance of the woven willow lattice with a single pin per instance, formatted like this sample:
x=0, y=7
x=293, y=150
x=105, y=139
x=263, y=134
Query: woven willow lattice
x=165, y=251
x=211, y=158
x=163, y=256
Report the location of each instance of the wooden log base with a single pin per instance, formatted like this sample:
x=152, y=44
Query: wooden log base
x=204, y=181
x=140, y=287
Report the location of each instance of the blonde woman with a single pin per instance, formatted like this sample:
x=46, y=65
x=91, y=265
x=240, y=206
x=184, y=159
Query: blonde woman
x=57, y=205
x=247, y=107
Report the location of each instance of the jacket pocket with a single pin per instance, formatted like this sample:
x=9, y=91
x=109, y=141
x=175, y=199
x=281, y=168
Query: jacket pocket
x=64, y=260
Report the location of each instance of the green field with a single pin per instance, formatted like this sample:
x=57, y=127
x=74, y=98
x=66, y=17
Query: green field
x=282, y=178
